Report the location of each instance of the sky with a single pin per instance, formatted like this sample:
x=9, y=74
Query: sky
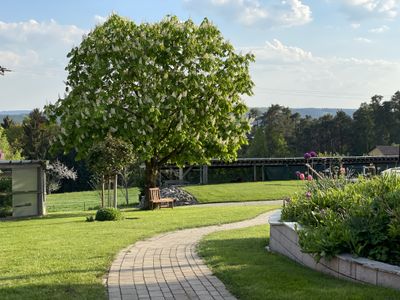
x=309, y=53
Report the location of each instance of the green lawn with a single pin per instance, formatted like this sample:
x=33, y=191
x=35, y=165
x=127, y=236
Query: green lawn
x=63, y=257
x=80, y=201
x=239, y=259
x=247, y=191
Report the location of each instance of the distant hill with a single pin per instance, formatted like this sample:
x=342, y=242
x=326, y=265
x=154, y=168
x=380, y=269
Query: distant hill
x=319, y=112
x=19, y=115
x=16, y=115
x=315, y=112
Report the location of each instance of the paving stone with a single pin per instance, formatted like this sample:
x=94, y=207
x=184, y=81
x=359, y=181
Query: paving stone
x=168, y=267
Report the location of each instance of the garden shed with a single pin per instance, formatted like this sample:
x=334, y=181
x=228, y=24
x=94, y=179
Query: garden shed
x=23, y=188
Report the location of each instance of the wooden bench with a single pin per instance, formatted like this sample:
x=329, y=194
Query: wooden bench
x=157, y=201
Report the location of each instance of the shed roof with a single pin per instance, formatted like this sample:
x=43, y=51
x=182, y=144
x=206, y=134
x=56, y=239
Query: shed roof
x=13, y=163
x=388, y=150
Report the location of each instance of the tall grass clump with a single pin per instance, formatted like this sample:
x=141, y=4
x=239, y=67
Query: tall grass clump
x=361, y=218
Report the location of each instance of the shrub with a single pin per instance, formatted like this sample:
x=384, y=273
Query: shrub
x=6, y=211
x=108, y=214
x=362, y=218
x=90, y=219
x=5, y=197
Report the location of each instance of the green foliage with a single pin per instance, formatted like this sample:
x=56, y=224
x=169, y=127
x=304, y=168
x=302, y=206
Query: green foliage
x=286, y=133
x=172, y=89
x=5, y=197
x=362, y=218
x=110, y=156
x=10, y=152
x=38, y=135
x=109, y=214
x=90, y=219
x=15, y=135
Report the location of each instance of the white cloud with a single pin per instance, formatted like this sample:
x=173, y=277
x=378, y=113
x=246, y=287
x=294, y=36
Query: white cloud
x=36, y=53
x=355, y=25
x=99, y=19
x=13, y=59
x=281, y=71
x=357, y=9
x=277, y=51
x=363, y=40
x=381, y=29
x=33, y=31
x=256, y=12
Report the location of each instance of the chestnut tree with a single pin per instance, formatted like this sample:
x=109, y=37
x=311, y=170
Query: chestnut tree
x=172, y=89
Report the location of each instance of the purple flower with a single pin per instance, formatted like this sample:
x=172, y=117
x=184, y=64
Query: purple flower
x=297, y=174
x=313, y=154
x=307, y=155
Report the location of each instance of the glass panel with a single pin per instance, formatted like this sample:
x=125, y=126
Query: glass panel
x=24, y=189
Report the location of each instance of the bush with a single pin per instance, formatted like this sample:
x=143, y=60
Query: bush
x=6, y=211
x=362, y=218
x=108, y=214
x=5, y=197
x=90, y=219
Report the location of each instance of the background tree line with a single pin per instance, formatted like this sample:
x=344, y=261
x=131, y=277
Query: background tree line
x=280, y=133
x=276, y=133
x=31, y=140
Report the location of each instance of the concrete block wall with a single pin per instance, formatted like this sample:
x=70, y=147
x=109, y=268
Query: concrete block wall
x=284, y=240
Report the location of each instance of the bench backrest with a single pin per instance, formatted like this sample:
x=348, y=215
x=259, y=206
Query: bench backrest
x=154, y=194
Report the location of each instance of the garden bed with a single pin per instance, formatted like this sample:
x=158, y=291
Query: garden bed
x=284, y=240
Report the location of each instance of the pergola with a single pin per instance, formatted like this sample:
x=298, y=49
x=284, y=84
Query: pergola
x=28, y=179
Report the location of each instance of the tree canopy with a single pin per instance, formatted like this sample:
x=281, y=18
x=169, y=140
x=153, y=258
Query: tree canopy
x=172, y=89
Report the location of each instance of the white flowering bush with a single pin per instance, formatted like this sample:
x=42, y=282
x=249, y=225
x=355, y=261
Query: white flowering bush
x=55, y=173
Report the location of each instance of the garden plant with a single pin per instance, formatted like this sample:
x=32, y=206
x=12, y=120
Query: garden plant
x=339, y=216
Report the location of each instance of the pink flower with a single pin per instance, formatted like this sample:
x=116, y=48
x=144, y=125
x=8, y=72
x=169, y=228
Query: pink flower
x=308, y=195
x=309, y=177
x=302, y=176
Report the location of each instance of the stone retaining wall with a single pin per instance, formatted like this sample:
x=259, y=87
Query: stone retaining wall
x=284, y=240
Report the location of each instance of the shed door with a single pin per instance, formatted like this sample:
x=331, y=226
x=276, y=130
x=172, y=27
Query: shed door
x=25, y=191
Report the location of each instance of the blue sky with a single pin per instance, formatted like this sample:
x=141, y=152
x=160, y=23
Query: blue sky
x=309, y=53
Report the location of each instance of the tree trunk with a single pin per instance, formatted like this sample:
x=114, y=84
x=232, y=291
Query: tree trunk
x=150, y=180
x=126, y=194
x=102, y=191
x=108, y=191
x=124, y=176
x=115, y=191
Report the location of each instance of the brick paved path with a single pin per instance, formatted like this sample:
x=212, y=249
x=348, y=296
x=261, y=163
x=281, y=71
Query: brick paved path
x=167, y=267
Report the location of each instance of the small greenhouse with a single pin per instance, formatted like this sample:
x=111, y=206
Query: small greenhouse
x=22, y=188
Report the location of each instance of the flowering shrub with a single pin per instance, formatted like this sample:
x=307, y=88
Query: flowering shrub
x=361, y=218
x=310, y=154
x=56, y=172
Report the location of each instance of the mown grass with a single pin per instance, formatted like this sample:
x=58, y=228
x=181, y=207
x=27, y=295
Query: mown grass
x=63, y=257
x=80, y=201
x=239, y=259
x=247, y=191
